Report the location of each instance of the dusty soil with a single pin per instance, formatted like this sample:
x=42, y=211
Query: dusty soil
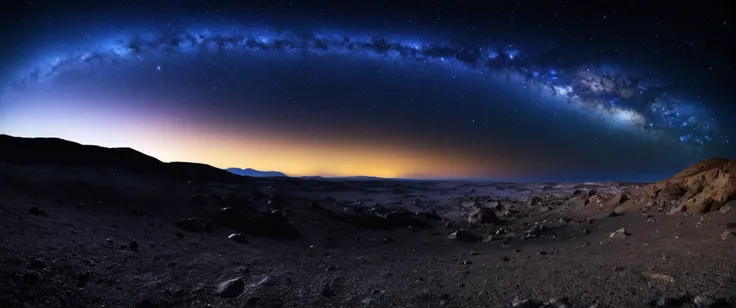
x=108, y=238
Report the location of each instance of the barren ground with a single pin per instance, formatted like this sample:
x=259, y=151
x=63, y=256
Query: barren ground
x=75, y=250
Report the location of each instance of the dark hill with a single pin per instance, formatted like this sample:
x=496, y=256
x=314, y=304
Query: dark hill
x=60, y=152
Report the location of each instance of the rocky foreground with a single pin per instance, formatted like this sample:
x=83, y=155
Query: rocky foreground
x=78, y=236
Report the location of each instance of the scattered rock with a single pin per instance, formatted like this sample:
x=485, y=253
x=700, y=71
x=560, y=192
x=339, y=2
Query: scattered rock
x=388, y=240
x=230, y=288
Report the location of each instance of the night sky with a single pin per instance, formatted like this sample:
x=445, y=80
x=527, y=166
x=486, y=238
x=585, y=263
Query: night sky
x=502, y=91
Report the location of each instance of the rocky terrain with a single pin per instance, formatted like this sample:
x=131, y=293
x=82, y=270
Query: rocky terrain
x=92, y=227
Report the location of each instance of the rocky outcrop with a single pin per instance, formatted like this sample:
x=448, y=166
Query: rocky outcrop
x=703, y=187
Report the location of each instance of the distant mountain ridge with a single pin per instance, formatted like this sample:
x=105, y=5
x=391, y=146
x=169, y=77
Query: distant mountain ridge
x=59, y=152
x=256, y=173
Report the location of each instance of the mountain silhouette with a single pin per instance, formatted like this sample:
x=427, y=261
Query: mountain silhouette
x=64, y=153
x=256, y=173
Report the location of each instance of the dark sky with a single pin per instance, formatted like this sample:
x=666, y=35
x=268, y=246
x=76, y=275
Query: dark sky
x=532, y=90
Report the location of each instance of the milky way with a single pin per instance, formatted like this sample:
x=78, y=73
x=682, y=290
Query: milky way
x=639, y=103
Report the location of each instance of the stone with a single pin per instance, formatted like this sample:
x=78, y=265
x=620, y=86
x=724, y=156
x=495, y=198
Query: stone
x=703, y=187
x=238, y=238
x=620, y=233
x=481, y=215
x=230, y=288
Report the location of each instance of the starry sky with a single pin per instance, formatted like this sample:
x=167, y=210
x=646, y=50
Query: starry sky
x=518, y=91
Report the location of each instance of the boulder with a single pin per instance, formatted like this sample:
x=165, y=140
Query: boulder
x=703, y=187
x=482, y=215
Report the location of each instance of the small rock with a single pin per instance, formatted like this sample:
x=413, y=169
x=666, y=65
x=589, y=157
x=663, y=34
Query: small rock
x=230, y=288
x=37, y=211
x=488, y=238
x=542, y=253
x=523, y=303
x=388, y=240
x=238, y=238
x=620, y=233
x=725, y=235
x=726, y=208
x=612, y=214
x=559, y=303
x=586, y=231
x=505, y=259
x=659, y=276
x=267, y=281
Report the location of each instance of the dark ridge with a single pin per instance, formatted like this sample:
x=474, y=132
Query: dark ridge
x=64, y=153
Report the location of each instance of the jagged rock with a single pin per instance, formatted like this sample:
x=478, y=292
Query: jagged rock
x=192, y=224
x=482, y=215
x=230, y=288
x=463, y=236
x=677, y=209
x=727, y=207
x=703, y=187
